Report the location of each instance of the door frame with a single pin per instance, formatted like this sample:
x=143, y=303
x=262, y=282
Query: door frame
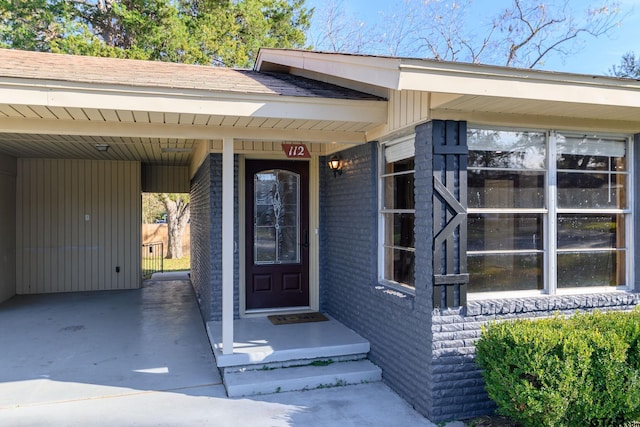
x=314, y=241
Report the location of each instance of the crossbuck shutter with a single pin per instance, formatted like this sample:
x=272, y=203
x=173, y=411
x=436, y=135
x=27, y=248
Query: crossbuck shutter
x=450, y=275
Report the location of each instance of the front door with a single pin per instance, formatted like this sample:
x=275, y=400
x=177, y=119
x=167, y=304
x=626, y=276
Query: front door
x=277, y=237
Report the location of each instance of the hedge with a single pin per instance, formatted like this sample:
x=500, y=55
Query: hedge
x=579, y=371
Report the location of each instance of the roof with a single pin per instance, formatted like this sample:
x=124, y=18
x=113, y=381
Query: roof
x=484, y=94
x=156, y=74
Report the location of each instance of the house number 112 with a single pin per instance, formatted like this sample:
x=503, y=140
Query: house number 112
x=296, y=151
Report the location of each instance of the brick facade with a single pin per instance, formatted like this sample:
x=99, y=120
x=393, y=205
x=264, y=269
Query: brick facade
x=206, y=232
x=397, y=324
x=427, y=354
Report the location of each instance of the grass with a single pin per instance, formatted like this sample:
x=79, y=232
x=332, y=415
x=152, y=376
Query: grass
x=180, y=264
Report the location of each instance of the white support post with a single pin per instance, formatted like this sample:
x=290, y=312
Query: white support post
x=227, y=245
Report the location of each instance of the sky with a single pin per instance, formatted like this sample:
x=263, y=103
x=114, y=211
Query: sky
x=596, y=57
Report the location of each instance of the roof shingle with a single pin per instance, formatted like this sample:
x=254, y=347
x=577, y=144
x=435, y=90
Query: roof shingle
x=155, y=74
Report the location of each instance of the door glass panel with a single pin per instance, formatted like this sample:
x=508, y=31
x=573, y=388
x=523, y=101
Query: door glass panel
x=276, y=217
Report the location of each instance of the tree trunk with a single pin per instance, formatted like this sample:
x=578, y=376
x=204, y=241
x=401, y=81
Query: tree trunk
x=178, y=215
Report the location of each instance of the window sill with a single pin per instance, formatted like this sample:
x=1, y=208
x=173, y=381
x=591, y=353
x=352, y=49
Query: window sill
x=394, y=293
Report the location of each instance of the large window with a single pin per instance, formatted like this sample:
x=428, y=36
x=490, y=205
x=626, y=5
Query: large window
x=546, y=211
x=397, y=212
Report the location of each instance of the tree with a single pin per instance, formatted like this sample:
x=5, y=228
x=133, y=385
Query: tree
x=523, y=34
x=629, y=67
x=178, y=215
x=189, y=31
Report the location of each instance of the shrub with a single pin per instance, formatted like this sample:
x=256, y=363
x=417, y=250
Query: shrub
x=578, y=371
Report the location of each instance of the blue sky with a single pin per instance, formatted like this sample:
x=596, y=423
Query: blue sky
x=596, y=57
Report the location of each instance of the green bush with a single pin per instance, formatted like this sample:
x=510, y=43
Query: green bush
x=576, y=372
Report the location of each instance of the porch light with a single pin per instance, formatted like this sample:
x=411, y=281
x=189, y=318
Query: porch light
x=102, y=147
x=335, y=164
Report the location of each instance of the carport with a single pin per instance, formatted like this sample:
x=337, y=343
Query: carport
x=81, y=138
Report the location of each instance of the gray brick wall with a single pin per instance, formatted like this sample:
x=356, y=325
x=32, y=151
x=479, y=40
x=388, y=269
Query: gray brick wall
x=201, y=237
x=206, y=242
x=396, y=324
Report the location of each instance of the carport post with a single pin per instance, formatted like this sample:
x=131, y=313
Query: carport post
x=227, y=245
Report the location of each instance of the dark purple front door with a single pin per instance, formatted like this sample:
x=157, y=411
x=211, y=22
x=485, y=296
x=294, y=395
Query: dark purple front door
x=277, y=234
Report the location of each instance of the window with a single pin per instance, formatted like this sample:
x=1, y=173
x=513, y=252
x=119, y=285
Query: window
x=546, y=211
x=397, y=212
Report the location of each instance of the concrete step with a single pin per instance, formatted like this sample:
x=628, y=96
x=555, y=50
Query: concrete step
x=313, y=376
x=294, y=363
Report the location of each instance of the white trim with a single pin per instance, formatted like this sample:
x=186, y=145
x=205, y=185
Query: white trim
x=228, y=244
x=629, y=222
x=188, y=101
x=163, y=130
x=242, y=212
x=314, y=233
x=550, y=274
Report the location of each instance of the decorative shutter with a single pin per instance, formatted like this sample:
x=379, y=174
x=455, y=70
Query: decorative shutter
x=450, y=275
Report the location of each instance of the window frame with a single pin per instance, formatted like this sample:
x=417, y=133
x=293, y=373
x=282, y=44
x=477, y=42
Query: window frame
x=382, y=210
x=550, y=213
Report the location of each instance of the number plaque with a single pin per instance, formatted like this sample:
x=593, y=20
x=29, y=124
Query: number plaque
x=296, y=151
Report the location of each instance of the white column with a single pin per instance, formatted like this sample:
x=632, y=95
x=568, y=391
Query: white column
x=227, y=245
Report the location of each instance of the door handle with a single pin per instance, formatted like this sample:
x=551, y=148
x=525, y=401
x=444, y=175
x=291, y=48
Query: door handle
x=305, y=239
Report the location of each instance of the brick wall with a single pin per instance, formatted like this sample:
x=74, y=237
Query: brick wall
x=396, y=324
x=201, y=237
x=206, y=237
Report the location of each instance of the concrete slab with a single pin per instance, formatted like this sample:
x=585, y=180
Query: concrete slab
x=258, y=341
x=142, y=358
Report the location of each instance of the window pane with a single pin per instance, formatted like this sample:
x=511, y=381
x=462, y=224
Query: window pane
x=495, y=231
x=276, y=216
x=506, y=149
x=501, y=189
x=399, y=192
x=399, y=230
x=577, y=270
x=591, y=190
x=399, y=265
x=265, y=244
x=580, y=231
x=401, y=165
x=505, y=272
x=592, y=152
x=591, y=163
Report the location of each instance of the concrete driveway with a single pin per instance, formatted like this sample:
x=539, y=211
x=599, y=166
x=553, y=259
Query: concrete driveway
x=142, y=358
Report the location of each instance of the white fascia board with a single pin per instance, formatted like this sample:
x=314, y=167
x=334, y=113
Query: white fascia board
x=467, y=79
x=185, y=101
x=154, y=130
x=378, y=71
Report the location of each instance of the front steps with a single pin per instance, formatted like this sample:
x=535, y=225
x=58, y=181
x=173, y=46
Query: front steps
x=277, y=358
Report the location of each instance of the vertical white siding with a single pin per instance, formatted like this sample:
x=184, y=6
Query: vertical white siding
x=406, y=108
x=77, y=220
x=7, y=227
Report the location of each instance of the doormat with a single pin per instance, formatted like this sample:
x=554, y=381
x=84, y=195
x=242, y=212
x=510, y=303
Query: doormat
x=287, y=319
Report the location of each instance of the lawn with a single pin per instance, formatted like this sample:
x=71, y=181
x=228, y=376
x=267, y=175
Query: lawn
x=180, y=264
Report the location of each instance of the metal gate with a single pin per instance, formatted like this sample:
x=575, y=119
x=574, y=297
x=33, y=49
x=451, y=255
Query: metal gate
x=152, y=259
